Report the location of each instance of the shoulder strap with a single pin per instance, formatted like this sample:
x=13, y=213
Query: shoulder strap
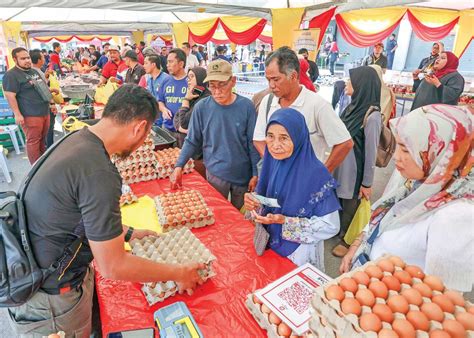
x=269, y=104
x=370, y=111
x=36, y=166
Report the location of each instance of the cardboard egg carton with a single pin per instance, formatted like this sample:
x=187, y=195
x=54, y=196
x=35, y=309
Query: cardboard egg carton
x=128, y=198
x=166, y=160
x=183, y=209
x=145, y=172
x=263, y=318
x=179, y=246
x=328, y=320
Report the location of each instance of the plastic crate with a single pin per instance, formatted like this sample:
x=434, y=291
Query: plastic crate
x=162, y=138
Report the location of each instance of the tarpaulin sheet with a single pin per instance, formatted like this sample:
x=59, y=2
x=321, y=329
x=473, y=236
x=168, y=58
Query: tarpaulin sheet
x=218, y=305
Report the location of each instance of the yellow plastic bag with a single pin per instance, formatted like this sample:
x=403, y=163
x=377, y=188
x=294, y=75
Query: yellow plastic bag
x=54, y=84
x=360, y=220
x=103, y=93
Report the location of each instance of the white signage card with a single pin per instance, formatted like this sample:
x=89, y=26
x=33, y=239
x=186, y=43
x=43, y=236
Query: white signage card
x=289, y=297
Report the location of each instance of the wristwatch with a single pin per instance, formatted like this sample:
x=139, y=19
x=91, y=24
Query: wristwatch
x=129, y=233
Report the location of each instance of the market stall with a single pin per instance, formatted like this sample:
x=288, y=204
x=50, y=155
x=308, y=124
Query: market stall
x=218, y=305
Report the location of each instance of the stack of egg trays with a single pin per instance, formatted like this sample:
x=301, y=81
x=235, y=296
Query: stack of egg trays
x=192, y=222
x=328, y=320
x=139, y=166
x=165, y=168
x=175, y=247
x=128, y=198
x=262, y=318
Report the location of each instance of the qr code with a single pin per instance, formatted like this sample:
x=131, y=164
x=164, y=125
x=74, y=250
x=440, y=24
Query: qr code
x=297, y=296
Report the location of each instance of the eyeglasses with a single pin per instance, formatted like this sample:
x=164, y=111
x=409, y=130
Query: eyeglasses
x=219, y=85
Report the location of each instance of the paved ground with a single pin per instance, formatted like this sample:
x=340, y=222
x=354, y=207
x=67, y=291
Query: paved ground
x=19, y=166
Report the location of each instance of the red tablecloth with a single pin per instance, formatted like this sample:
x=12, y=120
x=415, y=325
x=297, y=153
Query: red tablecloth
x=218, y=305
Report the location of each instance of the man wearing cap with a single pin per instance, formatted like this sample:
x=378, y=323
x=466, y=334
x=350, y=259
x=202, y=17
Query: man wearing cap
x=114, y=67
x=221, y=127
x=135, y=70
x=376, y=58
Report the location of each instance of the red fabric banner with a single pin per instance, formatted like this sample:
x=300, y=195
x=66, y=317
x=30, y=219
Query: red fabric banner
x=203, y=39
x=266, y=39
x=361, y=40
x=430, y=33
x=322, y=22
x=245, y=37
x=72, y=37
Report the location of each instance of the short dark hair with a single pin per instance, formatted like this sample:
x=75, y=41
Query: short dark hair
x=91, y=45
x=56, y=45
x=35, y=55
x=154, y=59
x=287, y=60
x=180, y=54
x=186, y=44
x=43, y=50
x=50, y=52
x=131, y=102
x=393, y=35
x=18, y=50
x=142, y=43
x=105, y=44
x=302, y=51
x=220, y=49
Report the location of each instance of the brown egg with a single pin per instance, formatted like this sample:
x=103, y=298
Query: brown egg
x=454, y=328
x=370, y=322
x=386, y=265
x=397, y=261
x=455, y=297
x=439, y=334
x=383, y=312
x=187, y=214
x=444, y=303
x=374, y=271
x=348, y=284
x=387, y=333
x=365, y=297
x=424, y=289
x=284, y=330
x=361, y=278
x=351, y=305
x=403, y=276
x=398, y=303
x=432, y=311
x=256, y=300
x=379, y=289
x=466, y=319
x=404, y=328
x=392, y=283
x=273, y=318
x=196, y=212
x=265, y=309
x=335, y=292
x=419, y=320
x=169, y=219
x=415, y=271
x=434, y=283
x=413, y=296
x=470, y=309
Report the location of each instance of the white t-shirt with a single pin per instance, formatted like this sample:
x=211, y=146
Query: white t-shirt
x=325, y=128
x=191, y=62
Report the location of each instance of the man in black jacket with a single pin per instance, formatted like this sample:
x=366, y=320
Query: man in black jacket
x=313, y=67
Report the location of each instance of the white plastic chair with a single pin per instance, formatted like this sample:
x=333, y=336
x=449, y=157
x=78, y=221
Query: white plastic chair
x=4, y=166
x=11, y=130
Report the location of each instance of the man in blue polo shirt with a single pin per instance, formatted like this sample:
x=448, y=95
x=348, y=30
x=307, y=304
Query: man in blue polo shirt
x=154, y=78
x=173, y=90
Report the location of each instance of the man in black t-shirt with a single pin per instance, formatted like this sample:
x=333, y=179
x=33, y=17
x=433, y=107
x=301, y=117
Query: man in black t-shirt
x=135, y=70
x=75, y=193
x=30, y=109
x=313, y=67
x=95, y=55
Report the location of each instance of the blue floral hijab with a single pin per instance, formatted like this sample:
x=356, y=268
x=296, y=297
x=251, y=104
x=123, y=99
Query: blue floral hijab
x=301, y=183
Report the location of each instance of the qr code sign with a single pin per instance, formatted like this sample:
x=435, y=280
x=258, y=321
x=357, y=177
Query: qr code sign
x=297, y=296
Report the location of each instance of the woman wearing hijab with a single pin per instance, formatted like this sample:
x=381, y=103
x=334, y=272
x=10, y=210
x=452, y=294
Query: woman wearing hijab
x=197, y=90
x=356, y=173
x=303, y=187
x=304, y=77
x=387, y=97
x=444, y=85
x=425, y=215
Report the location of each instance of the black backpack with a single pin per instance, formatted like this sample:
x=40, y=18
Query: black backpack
x=21, y=276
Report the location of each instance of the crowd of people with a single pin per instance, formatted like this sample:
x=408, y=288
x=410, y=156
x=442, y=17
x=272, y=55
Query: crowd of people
x=292, y=147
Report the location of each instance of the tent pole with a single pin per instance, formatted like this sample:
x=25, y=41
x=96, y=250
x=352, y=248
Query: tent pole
x=176, y=17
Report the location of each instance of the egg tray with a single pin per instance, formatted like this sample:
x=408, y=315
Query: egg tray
x=263, y=319
x=136, y=160
x=165, y=172
x=328, y=317
x=174, y=210
x=166, y=160
x=128, y=198
x=179, y=246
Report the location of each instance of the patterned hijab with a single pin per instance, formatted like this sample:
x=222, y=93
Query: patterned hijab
x=439, y=138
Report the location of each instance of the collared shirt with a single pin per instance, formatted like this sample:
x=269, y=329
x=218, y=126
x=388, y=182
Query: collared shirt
x=102, y=61
x=191, y=62
x=325, y=128
x=373, y=60
x=134, y=74
x=391, y=45
x=55, y=63
x=111, y=69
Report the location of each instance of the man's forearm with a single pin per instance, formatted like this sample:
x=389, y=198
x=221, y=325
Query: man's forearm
x=11, y=98
x=338, y=154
